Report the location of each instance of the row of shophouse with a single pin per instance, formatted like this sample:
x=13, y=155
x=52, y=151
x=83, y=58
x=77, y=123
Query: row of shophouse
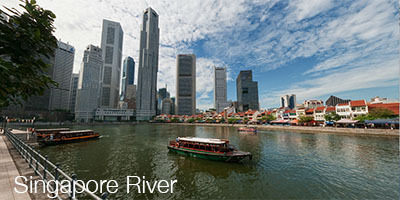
x=349, y=110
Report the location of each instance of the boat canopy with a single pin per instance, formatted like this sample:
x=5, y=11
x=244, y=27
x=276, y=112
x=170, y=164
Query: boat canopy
x=54, y=129
x=78, y=131
x=203, y=140
x=346, y=121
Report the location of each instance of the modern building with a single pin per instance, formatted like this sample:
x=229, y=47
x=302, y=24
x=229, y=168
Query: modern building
x=146, y=99
x=131, y=96
x=161, y=95
x=173, y=105
x=111, y=45
x=114, y=114
x=89, y=85
x=73, y=91
x=313, y=103
x=247, y=91
x=166, y=106
x=62, y=74
x=288, y=101
x=220, y=94
x=333, y=101
x=185, y=84
x=128, y=75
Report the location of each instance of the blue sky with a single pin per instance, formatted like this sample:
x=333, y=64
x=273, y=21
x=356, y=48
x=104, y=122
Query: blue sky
x=312, y=48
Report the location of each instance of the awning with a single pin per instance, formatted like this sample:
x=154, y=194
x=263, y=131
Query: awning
x=382, y=121
x=280, y=121
x=294, y=121
x=346, y=121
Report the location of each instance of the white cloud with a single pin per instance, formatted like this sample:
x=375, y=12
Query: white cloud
x=308, y=8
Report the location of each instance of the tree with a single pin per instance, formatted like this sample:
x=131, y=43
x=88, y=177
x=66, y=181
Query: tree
x=381, y=113
x=332, y=117
x=25, y=40
x=268, y=118
x=305, y=119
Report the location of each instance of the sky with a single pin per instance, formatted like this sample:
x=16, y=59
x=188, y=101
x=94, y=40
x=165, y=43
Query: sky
x=311, y=48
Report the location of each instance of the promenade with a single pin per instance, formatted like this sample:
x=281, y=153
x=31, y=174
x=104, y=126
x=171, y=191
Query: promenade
x=8, y=173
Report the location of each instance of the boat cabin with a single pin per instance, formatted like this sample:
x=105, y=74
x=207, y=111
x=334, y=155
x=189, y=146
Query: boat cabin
x=48, y=132
x=203, y=144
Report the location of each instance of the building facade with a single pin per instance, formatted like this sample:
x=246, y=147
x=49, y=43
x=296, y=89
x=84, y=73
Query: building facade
x=89, y=85
x=146, y=98
x=114, y=114
x=313, y=103
x=62, y=73
x=166, y=106
x=333, y=101
x=73, y=91
x=185, y=84
x=128, y=75
x=288, y=101
x=220, y=89
x=247, y=91
x=111, y=45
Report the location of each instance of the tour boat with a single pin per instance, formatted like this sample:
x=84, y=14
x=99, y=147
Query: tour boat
x=67, y=136
x=207, y=148
x=247, y=129
x=42, y=133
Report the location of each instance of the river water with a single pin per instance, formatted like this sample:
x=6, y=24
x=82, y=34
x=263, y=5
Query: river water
x=284, y=165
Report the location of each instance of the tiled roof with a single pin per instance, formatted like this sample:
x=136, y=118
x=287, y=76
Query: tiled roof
x=343, y=104
x=321, y=108
x=394, y=107
x=310, y=110
x=330, y=109
x=358, y=103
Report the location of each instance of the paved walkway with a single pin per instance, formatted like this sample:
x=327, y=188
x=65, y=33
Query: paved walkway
x=8, y=172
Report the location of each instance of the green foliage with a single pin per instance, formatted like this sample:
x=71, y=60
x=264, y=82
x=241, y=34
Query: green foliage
x=381, y=113
x=268, y=118
x=232, y=120
x=191, y=120
x=174, y=120
x=332, y=117
x=25, y=40
x=305, y=119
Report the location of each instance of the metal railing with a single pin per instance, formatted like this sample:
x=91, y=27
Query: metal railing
x=48, y=171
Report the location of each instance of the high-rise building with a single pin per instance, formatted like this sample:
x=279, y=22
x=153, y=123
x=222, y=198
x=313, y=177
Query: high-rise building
x=185, y=84
x=89, y=85
x=146, y=98
x=111, y=45
x=247, y=91
x=128, y=75
x=73, y=90
x=288, y=101
x=173, y=106
x=220, y=94
x=166, y=106
x=62, y=74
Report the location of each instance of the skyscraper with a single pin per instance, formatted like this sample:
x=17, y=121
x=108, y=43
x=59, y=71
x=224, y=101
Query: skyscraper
x=185, y=84
x=146, y=99
x=73, y=91
x=220, y=96
x=111, y=45
x=62, y=73
x=89, y=85
x=288, y=101
x=128, y=75
x=247, y=91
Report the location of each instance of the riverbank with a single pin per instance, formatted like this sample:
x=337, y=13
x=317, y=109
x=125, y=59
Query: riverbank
x=308, y=129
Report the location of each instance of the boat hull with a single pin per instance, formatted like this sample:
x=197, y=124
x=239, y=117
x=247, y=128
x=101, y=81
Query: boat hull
x=56, y=142
x=209, y=156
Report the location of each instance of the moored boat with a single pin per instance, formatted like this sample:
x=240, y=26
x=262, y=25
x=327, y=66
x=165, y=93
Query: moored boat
x=68, y=136
x=207, y=148
x=42, y=133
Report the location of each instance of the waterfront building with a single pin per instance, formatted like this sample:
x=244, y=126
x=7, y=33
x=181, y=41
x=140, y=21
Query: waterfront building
x=313, y=103
x=319, y=113
x=394, y=107
x=247, y=91
x=62, y=74
x=378, y=100
x=343, y=110
x=130, y=97
x=128, y=75
x=114, y=114
x=300, y=111
x=358, y=108
x=185, y=84
x=73, y=91
x=111, y=45
x=333, y=101
x=89, y=86
x=146, y=102
x=288, y=101
x=166, y=106
x=220, y=90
